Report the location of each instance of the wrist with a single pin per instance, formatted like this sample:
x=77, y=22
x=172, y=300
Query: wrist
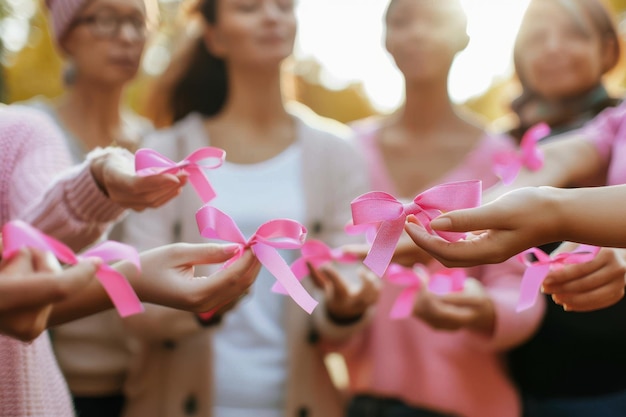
x=96, y=168
x=553, y=207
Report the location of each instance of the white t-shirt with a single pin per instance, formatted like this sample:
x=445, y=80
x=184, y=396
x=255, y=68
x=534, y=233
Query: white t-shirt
x=250, y=346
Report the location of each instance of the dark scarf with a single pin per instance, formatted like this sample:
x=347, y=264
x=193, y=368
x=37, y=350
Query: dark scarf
x=566, y=115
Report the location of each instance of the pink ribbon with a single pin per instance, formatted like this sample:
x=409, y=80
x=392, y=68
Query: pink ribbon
x=317, y=253
x=17, y=234
x=508, y=164
x=150, y=162
x=270, y=236
x=389, y=214
x=441, y=282
x=537, y=271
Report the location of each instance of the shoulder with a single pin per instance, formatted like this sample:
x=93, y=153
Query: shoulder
x=17, y=119
x=136, y=122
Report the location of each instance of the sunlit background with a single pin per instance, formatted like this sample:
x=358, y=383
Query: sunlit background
x=339, y=51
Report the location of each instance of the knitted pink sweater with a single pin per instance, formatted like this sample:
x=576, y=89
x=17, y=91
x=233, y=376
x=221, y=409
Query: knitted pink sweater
x=71, y=208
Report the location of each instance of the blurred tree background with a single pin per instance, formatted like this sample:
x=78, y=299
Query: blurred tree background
x=31, y=66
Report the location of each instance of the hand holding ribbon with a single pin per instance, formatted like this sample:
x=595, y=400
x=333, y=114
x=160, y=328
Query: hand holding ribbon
x=390, y=215
x=150, y=162
x=17, y=234
x=536, y=271
x=270, y=236
x=441, y=282
x=507, y=164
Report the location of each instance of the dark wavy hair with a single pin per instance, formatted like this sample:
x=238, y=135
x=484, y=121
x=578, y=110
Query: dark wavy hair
x=203, y=85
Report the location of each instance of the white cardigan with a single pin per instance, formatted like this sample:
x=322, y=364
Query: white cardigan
x=171, y=373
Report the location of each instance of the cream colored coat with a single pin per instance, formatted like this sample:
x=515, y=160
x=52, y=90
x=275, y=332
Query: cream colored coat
x=171, y=371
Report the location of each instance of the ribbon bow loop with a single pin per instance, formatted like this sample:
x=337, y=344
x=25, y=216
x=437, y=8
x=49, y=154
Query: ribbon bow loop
x=389, y=214
x=412, y=279
x=537, y=271
x=17, y=234
x=270, y=236
x=150, y=162
x=447, y=281
x=317, y=253
x=507, y=164
x=281, y=234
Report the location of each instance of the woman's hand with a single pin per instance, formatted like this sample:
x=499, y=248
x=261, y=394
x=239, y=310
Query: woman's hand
x=591, y=285
x=346, y=303
x=167, y=276
x=518, y=220
x=114, y=173
x=31, y=281
x=471, y=309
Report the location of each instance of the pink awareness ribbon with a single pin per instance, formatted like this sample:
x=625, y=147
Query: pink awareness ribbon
x=507, y=164
x=441, y=282
x=537, y=271
x=382, y=209
x=317, y=253
x=18, y=234
x=270, y=236
x=150, y=162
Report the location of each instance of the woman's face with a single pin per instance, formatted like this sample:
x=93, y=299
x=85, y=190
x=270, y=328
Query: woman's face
x=559, y=52
x=107, y=39
x=423, y=36
x=253, y=32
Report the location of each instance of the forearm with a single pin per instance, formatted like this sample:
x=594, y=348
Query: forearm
x=73, y=209
x=591, y=215
x=91, y=300
x=567, y=161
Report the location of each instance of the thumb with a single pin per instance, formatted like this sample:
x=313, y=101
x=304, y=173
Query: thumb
x=77, y=276
x=466, y=220
x=205, y=253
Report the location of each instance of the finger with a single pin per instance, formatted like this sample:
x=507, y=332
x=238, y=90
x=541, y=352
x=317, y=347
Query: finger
x=462, y=253
x=468, y=220
x=370, y=286
x=45, y=261
x=20, y=262
x=446, y=316
x=569, y=273
x=229, y=283
x=589, y=301
x=202, y=253
x=585, y=283
x=152, y=199
x=316, y=277
x=339, y=287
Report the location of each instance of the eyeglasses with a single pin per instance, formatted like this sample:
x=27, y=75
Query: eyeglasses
x=108, y=26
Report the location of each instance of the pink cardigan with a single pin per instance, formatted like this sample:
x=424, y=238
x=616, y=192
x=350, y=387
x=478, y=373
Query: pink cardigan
x=73, y=209
x=456, y=372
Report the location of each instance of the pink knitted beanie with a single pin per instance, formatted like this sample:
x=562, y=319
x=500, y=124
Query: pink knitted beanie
x=62, y=13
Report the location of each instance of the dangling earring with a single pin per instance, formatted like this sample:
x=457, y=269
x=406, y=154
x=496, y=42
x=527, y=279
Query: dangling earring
x=69, y=73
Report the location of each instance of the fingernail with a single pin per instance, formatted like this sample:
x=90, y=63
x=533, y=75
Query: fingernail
x=95, y=261
x=231, y=249
x=543, y=290
x=565, y=307
x=441, y=223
